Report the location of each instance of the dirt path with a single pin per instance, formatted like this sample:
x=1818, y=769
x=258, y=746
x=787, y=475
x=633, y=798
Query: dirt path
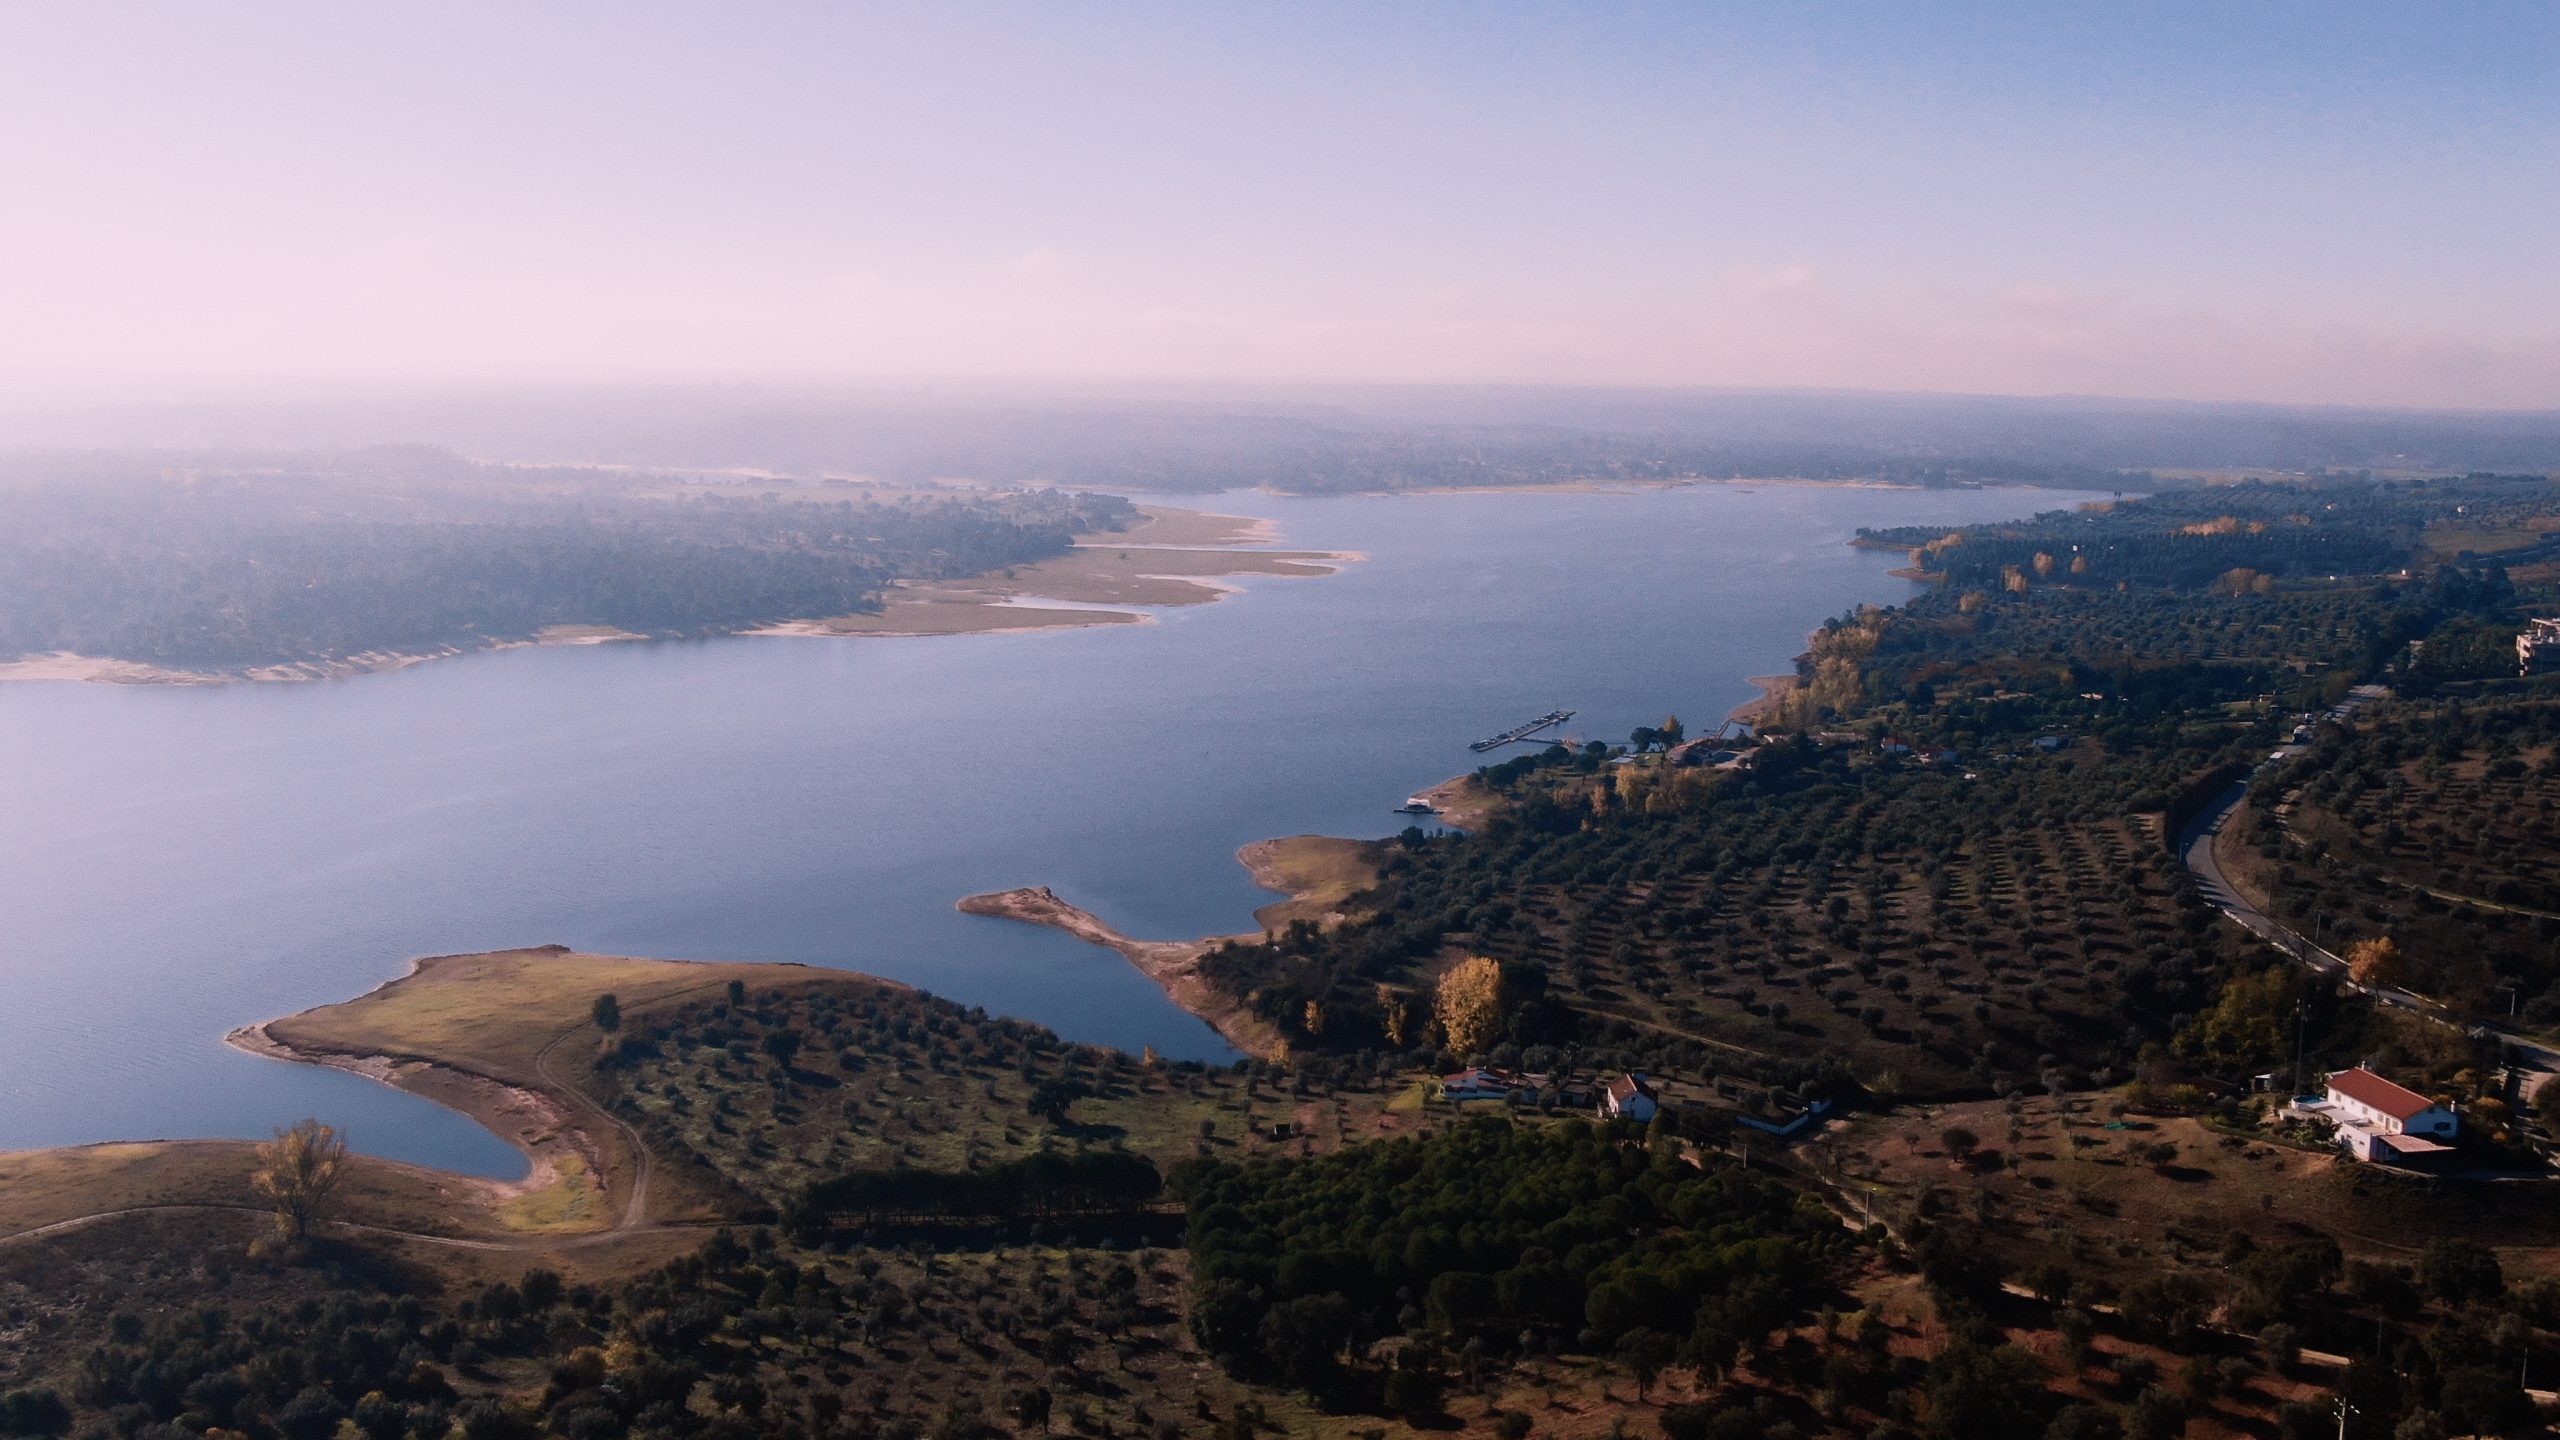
x=358, y=1227
x=635, y=1206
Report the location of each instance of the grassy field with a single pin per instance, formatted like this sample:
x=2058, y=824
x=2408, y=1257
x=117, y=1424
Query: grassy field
x=1320, y=874
x=494, y=1013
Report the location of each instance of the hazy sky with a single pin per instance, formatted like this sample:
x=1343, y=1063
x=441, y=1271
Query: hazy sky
x=2317, y=203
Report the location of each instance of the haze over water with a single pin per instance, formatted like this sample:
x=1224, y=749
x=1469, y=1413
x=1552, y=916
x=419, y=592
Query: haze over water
x=180, y=861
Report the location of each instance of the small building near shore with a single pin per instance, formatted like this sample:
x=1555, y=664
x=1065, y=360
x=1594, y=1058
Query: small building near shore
x=2379, y=1121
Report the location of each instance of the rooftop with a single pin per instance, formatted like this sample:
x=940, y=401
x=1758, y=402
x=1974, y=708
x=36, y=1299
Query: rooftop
x=2366, y=1088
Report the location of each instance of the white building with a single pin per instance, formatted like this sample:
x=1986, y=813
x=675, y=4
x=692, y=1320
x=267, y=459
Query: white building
x=2378, y=1120
x=1629, y=1098
x=2538, y=647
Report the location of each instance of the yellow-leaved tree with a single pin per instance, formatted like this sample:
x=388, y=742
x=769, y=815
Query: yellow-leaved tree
x=1393, y=1014
x=1469, y=1003
x=2375, y=962
x=297, y=1172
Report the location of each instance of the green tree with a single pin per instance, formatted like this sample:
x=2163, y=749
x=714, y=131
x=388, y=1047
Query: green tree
x=783, y=1044
x=1646, y=1354
x=1050, y=1099
x=2458, y=1271
x=1304, y=1340
x=1981, y=1392
x=608, y=1013
x=1960, y=1143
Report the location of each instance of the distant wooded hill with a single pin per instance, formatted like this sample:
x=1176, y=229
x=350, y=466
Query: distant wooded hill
x=1313, y=439
x=214, y=562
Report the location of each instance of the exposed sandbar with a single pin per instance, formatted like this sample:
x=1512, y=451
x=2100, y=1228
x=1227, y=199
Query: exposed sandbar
x=1773, y=692
x=1173, y=964
x=1319, y=873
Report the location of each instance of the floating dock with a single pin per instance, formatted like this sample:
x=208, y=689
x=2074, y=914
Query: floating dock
x=1518, y=733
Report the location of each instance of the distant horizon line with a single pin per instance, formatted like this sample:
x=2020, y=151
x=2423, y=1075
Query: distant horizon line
x=204, y=390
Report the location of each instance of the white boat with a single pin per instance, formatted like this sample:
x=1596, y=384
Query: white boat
x=1416, y=805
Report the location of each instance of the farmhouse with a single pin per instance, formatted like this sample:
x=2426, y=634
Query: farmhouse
x=2392, y=1124
x=2538, y=647
x=1629, y=1098
x=1479, y=1083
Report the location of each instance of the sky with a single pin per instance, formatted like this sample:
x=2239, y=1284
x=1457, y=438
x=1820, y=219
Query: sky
x=2329, y=204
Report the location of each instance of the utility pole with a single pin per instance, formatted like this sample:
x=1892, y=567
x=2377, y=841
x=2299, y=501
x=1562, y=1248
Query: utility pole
x=2301, y=1028
x=2344, y=1410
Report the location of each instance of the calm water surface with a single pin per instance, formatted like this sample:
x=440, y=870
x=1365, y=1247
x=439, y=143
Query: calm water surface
x=175, y=862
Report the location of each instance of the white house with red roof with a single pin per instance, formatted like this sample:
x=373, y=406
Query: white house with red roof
x=2378, y=1120
x=1629, y=1097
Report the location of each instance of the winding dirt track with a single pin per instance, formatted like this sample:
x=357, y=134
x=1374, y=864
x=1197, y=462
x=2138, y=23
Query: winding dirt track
x=635, y=1206
x=354, y=1227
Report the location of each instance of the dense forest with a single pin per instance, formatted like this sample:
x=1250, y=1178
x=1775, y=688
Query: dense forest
x=2241, y=537
x=1493, y=1239
x=239, y=562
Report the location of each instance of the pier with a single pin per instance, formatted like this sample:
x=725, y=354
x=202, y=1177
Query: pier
x=1518, y=733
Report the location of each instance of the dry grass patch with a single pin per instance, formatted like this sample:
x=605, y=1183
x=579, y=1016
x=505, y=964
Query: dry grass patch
x=1320, y=874
x=494, y=1013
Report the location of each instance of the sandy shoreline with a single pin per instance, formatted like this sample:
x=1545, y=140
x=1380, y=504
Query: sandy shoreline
x=1460, y=803
x=1773, y=692
x=95, y=670
x=529, y=1123
x=1173, y=964
x=1318, y=874
x=1606, y=486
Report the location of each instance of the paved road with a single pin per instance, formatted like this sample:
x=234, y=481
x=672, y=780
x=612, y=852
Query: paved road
x=2195, y=848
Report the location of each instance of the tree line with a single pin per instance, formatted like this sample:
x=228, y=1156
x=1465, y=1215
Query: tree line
x=237, y=569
